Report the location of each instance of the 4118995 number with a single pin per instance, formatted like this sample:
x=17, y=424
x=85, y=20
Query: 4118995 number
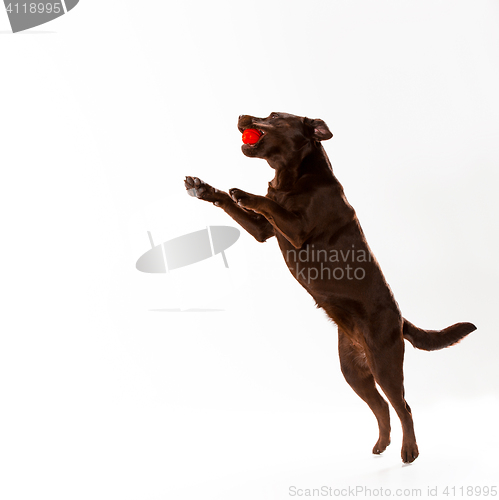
x=34, y=8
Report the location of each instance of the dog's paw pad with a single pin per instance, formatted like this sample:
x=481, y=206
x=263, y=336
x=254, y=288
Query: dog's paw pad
x=197, y=192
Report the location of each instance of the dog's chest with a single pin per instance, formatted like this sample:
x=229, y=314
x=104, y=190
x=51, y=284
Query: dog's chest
x=293, y=201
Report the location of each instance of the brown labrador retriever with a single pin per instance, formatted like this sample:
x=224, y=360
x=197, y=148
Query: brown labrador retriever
x=325, y=249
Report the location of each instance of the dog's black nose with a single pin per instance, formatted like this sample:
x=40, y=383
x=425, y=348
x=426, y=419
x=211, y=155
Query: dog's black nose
x=244, y=122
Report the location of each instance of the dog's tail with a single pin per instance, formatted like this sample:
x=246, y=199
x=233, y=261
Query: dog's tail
x=432, y=340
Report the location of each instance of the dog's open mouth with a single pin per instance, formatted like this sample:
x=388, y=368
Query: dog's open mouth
x=252, y=136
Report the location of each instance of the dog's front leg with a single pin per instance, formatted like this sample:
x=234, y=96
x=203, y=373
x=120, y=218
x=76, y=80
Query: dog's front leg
x=255, y=224
x=290, y=225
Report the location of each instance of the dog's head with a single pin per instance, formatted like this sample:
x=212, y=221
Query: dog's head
x=284, y=136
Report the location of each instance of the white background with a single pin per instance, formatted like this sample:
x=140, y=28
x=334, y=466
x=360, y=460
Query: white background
x=106, y=394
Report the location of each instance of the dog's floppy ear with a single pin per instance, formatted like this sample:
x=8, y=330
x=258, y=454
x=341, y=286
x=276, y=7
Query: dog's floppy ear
x=317, y=129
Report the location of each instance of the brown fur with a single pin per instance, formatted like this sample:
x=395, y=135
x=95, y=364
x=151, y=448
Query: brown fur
x=325, y=249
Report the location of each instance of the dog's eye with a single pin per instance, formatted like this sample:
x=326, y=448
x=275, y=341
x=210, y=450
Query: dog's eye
x=274, y=115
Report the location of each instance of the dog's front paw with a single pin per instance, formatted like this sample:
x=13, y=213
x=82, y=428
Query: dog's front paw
x=196, y=187
x=242, y=198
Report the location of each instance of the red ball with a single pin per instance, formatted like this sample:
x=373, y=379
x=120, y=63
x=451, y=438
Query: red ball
x=251, y=136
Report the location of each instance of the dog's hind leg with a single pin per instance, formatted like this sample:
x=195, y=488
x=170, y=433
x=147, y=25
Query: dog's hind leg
x=358, y=375
x=386, y=364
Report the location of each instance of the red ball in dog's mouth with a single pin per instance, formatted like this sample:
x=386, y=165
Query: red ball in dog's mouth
x=251, y=136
